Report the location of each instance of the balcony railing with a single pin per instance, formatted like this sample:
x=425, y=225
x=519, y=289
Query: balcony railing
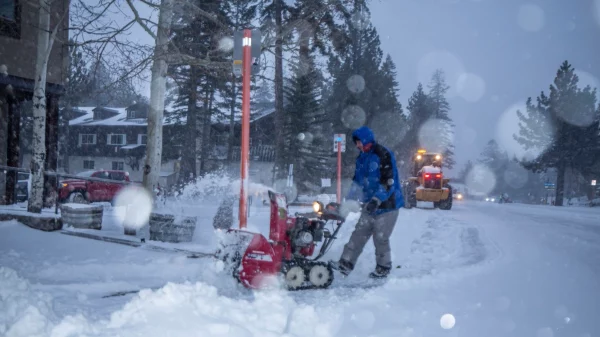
x=265, y=153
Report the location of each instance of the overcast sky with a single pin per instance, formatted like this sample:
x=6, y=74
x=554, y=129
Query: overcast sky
x=496, y=53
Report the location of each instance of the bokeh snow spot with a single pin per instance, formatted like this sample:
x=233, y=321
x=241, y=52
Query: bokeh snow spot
x=508, y=126
x=596, y=11
x=361, y=20
x=447, y=321
x=516, y=176
x=545, y=332
x=531, y=17
x=502, y=303
x=353, y=117
x=305, y=137
x=445, y=60
x=226, y=44
x=356, y=84
x=364, y=319
x=586, y=79
x=480, y=180
x=373, y=166
x=282, y=186
x=468, y=135
x=470, y=87
x=388, y=128
x=581, y=118
x=350, y=206
x=429, y=135
x=133, y=205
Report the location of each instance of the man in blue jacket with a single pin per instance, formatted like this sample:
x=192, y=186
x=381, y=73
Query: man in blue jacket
x=376, y=184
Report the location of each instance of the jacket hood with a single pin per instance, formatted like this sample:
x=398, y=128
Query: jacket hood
x=364, y=134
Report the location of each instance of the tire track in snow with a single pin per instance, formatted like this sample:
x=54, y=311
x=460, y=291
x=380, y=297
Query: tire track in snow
x=447, y=249
x=449, y=244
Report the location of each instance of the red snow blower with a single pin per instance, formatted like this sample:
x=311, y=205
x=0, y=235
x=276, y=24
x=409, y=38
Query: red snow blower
x=287, y=254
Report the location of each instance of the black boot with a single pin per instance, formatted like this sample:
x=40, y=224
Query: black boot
x=380, y=272
x=343, y=266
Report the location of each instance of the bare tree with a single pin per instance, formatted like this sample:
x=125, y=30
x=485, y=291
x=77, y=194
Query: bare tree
x=157, y=92
x=101, y=35
x=45, y=41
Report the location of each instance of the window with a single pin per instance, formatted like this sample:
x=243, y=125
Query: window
x=117, y=165
x=87, y=139
x=116, y=139
x=88, y=164
x=117, y=175
x=10, y=18
x=221, y=139
x=142, y=139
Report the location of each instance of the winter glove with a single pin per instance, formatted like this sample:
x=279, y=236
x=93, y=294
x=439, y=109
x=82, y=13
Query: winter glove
x=372, y=205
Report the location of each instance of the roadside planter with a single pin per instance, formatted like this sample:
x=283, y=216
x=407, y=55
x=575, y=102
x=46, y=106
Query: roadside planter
x=171, y=228
x=82, y=216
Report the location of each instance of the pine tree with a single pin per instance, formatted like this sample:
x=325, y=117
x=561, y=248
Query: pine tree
x=443, y=123
x=462, y=175
x=419, y=112
x=76, y=91
x=389, y=121
x=274, y=16
x=239, y=14
x=561, y=124
x=497, y=161
x=196, y=86
x=306, y=146
x=353, y=96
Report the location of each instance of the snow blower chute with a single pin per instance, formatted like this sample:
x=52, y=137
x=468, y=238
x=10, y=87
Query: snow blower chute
x=287, y=254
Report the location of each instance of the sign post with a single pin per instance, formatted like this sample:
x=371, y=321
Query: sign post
x=339, y=146
x=245, y=63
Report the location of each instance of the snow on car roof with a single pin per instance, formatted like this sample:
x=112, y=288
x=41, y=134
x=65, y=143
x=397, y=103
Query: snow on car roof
x=431, y=169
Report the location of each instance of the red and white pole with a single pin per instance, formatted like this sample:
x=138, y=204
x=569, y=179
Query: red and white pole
x=245, y=146
x=339, y=172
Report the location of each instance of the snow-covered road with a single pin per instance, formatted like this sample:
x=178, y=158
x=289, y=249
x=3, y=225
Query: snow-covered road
x=494, y=270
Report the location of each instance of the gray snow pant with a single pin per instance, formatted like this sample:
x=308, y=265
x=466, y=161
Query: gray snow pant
x=378, y=226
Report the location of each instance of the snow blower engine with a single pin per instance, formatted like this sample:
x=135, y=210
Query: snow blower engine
x=287, y=255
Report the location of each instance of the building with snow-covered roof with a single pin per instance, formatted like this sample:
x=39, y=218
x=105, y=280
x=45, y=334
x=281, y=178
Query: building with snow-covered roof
x=114, y=138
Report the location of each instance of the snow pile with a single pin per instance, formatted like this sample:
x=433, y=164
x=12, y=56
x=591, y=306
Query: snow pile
x=174, y=310
x=24, y=312
x=198, y=310
x=217, y=185
x=431, y=169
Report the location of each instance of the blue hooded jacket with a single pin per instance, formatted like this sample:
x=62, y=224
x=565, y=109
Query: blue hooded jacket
x=376, y=174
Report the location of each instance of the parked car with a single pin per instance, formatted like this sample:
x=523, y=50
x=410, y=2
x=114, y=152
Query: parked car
x=84, y=191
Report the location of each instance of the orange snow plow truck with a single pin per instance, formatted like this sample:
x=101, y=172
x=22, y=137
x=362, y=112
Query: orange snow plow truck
x=427, y=182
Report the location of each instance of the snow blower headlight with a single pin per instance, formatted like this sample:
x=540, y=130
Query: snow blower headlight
x=317, y=207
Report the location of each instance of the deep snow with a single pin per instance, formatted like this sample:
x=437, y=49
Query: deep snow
x=481, y=269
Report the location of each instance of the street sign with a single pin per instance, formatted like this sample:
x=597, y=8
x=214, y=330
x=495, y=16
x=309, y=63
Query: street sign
x=593, y=182
x=238, y=46
x=549, y=186
x=339, y=138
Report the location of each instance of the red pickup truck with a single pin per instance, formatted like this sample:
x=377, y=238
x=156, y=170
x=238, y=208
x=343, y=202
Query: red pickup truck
x=84, y=191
